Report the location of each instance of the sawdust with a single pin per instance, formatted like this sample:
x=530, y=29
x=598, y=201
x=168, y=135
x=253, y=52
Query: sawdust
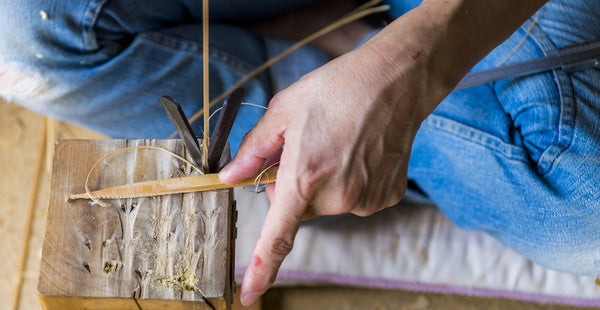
x=176, y=264
x=185, y=280
x=112, y=266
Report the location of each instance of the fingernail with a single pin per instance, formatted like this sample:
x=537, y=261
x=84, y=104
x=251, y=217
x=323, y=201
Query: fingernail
x=249, y=298
x=225, y=173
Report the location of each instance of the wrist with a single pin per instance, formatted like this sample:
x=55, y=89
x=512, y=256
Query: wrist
x=433, y=46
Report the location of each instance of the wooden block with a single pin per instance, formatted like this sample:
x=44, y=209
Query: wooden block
x=172, y=251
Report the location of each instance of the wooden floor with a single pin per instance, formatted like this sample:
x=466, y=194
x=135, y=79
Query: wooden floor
x=26, y=143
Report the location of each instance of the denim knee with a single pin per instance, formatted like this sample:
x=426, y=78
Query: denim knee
x=24, y=49
x=93, y=64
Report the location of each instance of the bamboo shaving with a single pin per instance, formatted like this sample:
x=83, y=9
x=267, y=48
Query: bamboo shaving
x=263, y=173
x=243, y=103
x=171, y=186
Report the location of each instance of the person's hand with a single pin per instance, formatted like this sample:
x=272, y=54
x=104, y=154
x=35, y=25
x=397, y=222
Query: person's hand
x=347, y=128
x=346, y=133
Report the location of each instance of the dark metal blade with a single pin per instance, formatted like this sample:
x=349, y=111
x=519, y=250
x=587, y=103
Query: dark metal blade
x=223, y=128
x=183, y=129
x=572, y=58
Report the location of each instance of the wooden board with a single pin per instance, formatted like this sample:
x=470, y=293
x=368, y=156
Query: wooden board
x=174, y=251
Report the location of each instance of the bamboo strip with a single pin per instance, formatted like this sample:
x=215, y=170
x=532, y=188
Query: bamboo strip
x=205, y=90
x=359, y=13
x=170, y=186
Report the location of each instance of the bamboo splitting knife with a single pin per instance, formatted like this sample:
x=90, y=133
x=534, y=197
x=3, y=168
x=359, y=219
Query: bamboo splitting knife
x=570, y=59
x=184, y=129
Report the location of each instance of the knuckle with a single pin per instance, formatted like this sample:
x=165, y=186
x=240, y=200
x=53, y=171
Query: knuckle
x=271, y=279
x=351, y=197
x=353, y=194
x=281, y=246
x=277, y=103
x=364, y=212
x=310, y=180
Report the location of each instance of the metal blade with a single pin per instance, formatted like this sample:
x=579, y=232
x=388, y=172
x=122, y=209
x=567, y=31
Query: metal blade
x=570, y=59
x=184, y=129
x=219, y=138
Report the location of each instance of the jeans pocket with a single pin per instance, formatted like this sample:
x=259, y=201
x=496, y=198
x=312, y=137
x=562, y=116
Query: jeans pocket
x=541, y=106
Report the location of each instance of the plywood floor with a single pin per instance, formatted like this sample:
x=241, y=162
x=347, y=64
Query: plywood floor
x=26, y=145
x=24, y=190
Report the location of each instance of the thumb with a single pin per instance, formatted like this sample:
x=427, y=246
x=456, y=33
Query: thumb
x=260, y=143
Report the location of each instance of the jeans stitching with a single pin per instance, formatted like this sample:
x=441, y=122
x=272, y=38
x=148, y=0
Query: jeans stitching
x=565, y=128
x=88, y=21
x=468, y=133
x=192, y=46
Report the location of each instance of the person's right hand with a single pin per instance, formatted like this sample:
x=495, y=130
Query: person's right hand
x=347, y=128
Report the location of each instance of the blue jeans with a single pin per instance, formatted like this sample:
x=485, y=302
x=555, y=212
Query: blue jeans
x=517, y=158
x=520, y=158
x=104, y=64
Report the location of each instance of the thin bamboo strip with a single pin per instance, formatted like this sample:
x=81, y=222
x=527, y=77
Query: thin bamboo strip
x=170, y=186
x=353, y=16
x=205, y=97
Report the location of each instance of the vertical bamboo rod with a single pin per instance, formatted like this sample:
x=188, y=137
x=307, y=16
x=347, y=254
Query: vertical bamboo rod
x=205, y=99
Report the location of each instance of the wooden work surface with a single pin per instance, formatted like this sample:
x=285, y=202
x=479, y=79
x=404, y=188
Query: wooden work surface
x=127, y=253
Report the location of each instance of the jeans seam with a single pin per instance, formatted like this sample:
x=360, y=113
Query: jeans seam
x=468, y=133
x=88, y=20
x=192, y=46
x=566, y=119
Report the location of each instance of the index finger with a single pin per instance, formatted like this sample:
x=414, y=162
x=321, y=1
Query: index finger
x=276, y=239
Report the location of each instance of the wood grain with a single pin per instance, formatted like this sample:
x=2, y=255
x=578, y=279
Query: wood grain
x=22, y=145
x=173, y=250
